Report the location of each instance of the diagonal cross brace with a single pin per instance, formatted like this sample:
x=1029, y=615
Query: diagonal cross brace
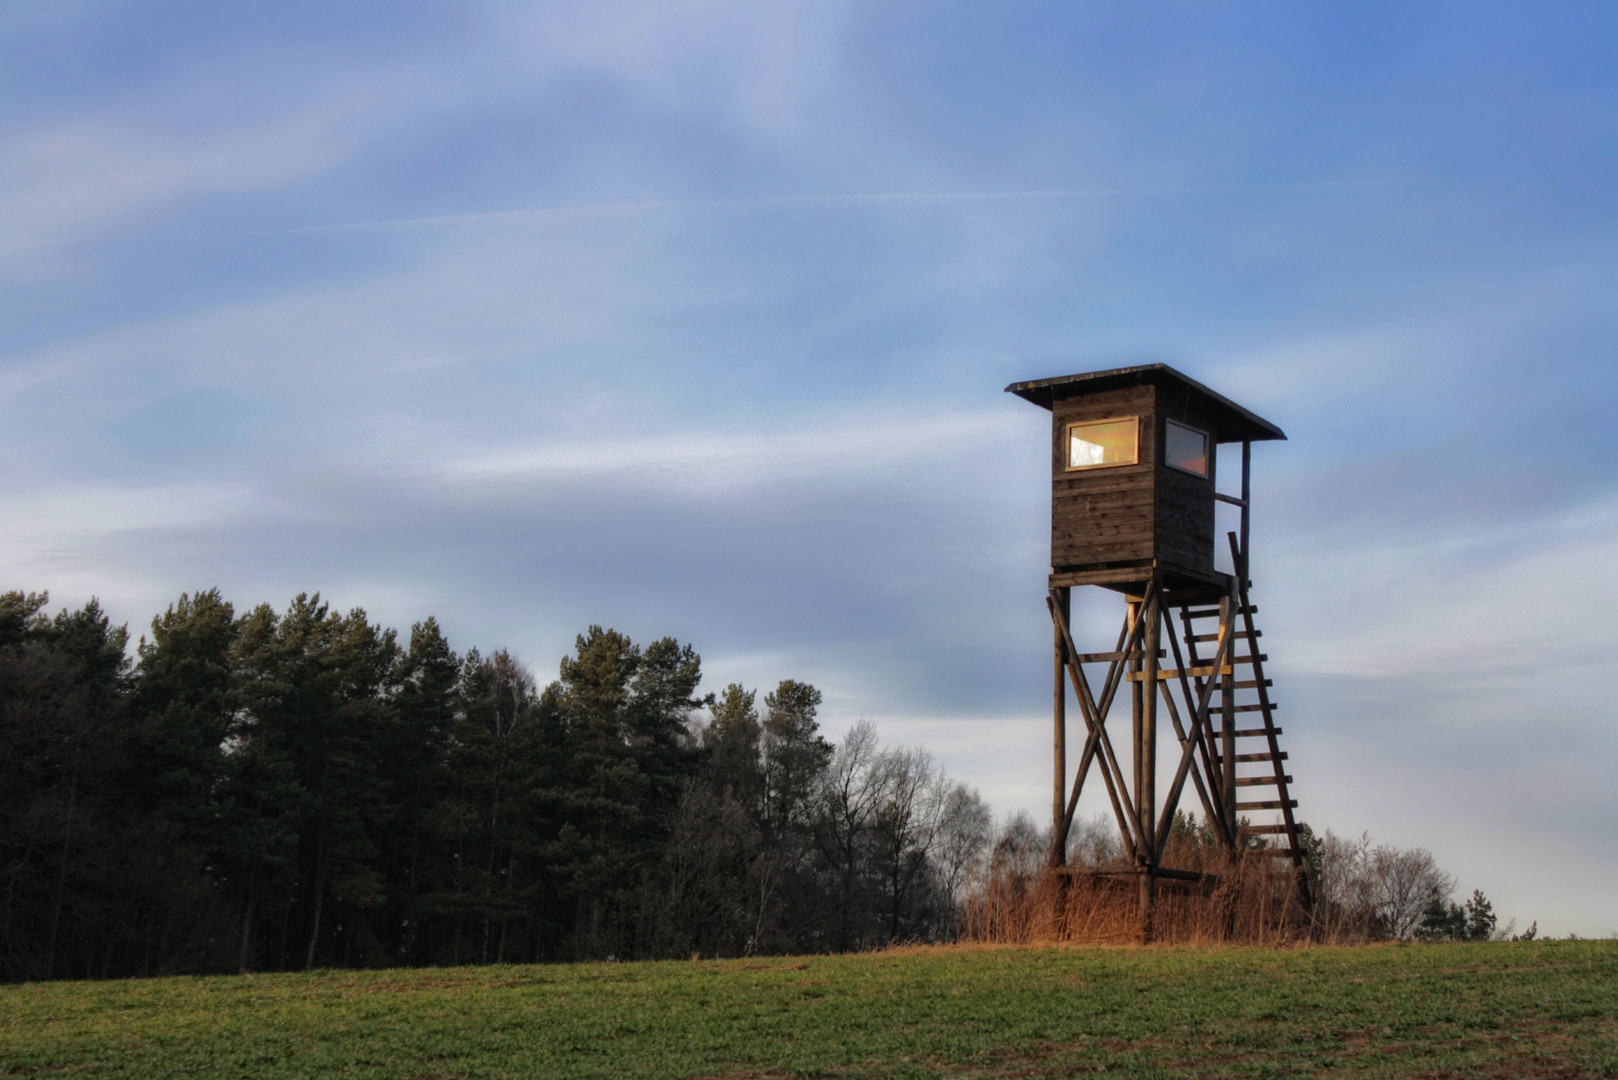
x=1199, y=720
x=1095, y=720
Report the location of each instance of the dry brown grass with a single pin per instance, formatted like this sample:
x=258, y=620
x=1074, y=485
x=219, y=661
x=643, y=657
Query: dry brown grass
x=1249, y=901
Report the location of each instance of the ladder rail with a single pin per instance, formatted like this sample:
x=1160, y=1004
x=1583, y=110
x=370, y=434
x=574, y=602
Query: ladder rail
x=1266, y=709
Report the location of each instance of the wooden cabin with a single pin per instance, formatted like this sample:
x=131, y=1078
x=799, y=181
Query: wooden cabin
x=1133, y=472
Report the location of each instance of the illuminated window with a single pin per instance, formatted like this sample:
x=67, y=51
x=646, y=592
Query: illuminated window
x=1186, y=448
x=1092, y=444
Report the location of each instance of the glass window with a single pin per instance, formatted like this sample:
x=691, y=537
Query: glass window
x=1185, y=448
x=1094, y=443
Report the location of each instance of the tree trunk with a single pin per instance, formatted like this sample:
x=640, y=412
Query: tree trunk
x=59, y=899
x=320, y=898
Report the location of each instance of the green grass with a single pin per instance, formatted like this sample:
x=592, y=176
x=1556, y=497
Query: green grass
x=1540, y=1009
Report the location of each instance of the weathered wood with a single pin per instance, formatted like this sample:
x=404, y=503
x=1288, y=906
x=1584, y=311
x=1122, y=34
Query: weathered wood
x=1239, y=556
x=1192, y=738
x=1213, y=612
x=1147, y=799
x=1109, y=657
x=1211, y=794
x=1092, y=745
x=1095, y=720
x=1146, y=529
x=1227, y=721
x=1215, y=636
x=1199, y=717
x=1064, y=576
x=1243, y=571
x=1063, y=599
x=1216, y=770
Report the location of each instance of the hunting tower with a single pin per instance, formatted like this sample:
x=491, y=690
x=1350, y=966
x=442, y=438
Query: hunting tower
x=1133, y=459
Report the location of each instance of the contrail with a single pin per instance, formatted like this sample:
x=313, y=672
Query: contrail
x=891, y=197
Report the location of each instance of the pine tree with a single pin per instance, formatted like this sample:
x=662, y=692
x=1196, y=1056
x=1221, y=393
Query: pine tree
x=1480, y=920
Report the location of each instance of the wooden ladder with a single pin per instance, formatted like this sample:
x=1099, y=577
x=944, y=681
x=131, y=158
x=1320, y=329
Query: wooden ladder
x=1258, y=744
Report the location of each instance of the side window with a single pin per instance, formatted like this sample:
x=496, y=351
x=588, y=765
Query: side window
x=1185, y=447
x=1094, y=444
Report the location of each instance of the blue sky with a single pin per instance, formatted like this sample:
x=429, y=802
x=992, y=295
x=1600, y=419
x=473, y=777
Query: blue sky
x=693, y=319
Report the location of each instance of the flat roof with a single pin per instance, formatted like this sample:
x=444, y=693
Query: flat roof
x=1236, y=424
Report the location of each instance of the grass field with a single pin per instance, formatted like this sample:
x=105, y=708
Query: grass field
x=1540, y=1009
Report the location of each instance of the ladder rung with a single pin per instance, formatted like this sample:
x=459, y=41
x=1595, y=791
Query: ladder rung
x=1266, y=756
x=1256, y=707
x=1263, y=830
x=1246, y=733
x=1269, y=804
x=1211, y=612
x=1252, y=684
x=1215, y=637
x=1260, y=658
x=1260, y=781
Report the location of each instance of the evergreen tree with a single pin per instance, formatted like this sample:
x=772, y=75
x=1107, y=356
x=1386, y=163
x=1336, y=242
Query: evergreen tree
x=1480, y=919
x=413, y=744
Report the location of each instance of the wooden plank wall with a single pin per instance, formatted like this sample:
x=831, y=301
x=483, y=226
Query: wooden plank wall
x=1101, y=516
x=1185, y=503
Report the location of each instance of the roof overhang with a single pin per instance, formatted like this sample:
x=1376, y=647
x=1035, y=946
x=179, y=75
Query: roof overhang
x=1236, y=424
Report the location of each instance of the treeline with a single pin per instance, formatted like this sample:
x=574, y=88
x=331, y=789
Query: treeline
x=287, y=790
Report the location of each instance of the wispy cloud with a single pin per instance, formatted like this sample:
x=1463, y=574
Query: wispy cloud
x=65, y=187
x=874, y=445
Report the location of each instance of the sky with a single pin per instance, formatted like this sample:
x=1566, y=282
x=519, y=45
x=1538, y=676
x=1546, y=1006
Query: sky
x=693, y=319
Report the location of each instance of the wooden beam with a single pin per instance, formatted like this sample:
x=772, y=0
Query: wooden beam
x=1213, y=799
x=1281, y=779
x=1227, y=722
x=1146, y=798
x=1198, y=718
x=1063, y=599
x=1109, y=657
x=1184, y=737
x=1095, y=721
x=1260, y=781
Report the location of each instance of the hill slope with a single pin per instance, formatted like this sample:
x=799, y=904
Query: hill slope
x=1520, y=1009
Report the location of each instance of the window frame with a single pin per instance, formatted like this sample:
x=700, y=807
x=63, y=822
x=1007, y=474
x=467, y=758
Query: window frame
x=1207, y=449
x=1067, y=444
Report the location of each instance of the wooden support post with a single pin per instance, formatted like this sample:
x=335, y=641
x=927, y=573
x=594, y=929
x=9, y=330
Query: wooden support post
x=1148, y=906
x=1227, y=718
x=1146, y=754
x=1136, y=686
x=1095, y=720
x=1146, y=797
x=1064, y=602
x=1247, y=509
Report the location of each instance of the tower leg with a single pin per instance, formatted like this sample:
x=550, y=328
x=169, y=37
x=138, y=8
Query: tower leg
x=1146, y=793
x=1148, y=907
x=1146, y=784
x=1059, y=715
